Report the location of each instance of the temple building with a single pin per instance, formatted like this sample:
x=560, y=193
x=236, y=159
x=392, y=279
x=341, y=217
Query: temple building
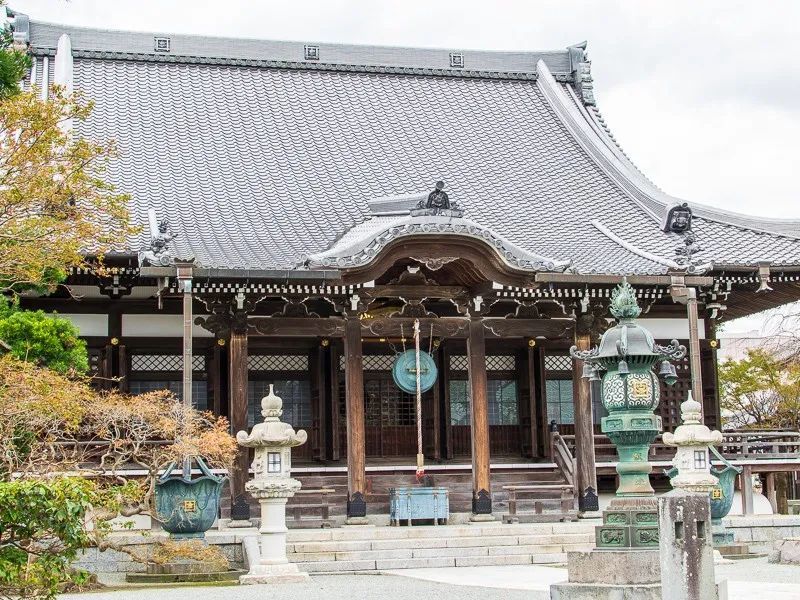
x=304, y=204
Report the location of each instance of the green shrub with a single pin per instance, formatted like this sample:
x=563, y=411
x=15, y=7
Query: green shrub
x=41, y=530
x=35, y=336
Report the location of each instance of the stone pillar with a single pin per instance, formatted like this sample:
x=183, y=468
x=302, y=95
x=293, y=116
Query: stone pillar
x=354, y=404
x=237, y=409
x=479, y=421
x=584, y=431
x=686, y=552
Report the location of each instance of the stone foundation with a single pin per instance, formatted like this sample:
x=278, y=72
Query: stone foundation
x=111, y=566
x=761, y=532
x=633, y=574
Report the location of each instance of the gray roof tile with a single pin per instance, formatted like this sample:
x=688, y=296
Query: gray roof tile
x=259, y=167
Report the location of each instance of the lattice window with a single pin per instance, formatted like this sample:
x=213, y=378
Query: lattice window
x=165, y=362
x=458, y=363
x=502, y=396
x=557, y=362
x=296, y=396
x=372, y=362
x=560, y=406
x=277, y=362
x=493, y=363
x=500, y=363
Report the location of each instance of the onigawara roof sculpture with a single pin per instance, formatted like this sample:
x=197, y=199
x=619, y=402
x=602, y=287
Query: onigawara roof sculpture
x=298, y=156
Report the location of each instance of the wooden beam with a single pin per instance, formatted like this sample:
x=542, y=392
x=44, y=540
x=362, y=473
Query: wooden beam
x=479, y=416
x=298, y=326
x=443, y=292
x=354, y=401
x=237, y=409
x=584, y=432
x=528, y=328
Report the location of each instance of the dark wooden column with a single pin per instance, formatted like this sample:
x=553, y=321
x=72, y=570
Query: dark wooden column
x=354, y=404
x=584, y=431
x=237, y=414
x=318, y=358
x=528, y=385
x=479, y=416
x=333, y=386
x=536, y=356
x=444, y=386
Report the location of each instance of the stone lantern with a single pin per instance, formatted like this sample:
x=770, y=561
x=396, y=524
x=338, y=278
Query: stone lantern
x=272, y=485
x=693, y=440
x=630, y=392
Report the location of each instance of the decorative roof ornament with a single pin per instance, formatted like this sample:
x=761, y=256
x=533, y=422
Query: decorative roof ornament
x=678, y=219
x=686, y=254
x=158, y=253
x=437, y=203
x=623, y=302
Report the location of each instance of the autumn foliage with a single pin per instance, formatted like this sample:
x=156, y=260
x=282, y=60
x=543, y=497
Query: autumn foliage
x=55, y=208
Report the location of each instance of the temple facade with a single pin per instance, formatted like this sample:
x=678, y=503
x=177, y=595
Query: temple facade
x=303, y=205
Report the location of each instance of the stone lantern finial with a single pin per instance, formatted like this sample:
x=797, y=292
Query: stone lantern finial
x=271, y=406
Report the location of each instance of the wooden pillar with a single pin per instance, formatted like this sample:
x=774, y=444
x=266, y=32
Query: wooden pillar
x=540, y=391
x=333, y=387
x=354, y=403
x=215, y=379
x=695, y=364
x=237, y=414
x=318, y=357
x=746, y=486
x=584, y=432
x=532, y=409
x=444, y=382
x=772, y=495
x=479, y=415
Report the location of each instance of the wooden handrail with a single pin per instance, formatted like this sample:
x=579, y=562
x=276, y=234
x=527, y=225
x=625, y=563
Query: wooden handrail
x=748, y=444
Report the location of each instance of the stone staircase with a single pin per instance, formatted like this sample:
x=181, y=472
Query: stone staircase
x=356, y=548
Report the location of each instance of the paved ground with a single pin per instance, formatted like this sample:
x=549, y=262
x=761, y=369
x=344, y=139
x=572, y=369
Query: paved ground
x=329, y=587
x=747, y=580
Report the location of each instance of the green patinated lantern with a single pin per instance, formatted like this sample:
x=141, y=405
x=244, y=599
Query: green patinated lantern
x=630, y=392
x=630, y=388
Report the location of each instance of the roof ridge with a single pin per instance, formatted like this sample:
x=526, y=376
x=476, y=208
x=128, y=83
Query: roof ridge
x=287, y=41
x=299, y=65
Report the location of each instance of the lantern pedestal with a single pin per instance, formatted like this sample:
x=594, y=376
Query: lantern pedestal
x=272, y=565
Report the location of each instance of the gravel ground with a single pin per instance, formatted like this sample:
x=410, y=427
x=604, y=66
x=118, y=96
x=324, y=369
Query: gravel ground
x=330, y=587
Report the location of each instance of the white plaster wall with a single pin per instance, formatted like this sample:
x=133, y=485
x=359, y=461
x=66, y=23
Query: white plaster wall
x=158, y=326
x=667, y=329
x=87, y=324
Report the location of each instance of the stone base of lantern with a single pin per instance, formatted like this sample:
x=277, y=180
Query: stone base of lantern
x=633, y=574
x=629, y=523
x=285, y=573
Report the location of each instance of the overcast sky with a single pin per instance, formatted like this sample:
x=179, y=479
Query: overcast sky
x=703, y=96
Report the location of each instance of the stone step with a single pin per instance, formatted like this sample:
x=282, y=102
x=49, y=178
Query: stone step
x=370, y=533
x=432, y=553
x=380, y=564
x=332, y=546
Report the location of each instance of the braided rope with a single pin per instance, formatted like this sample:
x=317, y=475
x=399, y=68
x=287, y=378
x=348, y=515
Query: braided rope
x=420, y=456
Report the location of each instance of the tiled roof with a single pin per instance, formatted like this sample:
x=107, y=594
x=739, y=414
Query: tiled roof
x=261, y=164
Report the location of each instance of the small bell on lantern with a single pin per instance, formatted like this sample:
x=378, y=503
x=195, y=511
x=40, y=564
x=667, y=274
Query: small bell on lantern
x=664, y=369
x=672, y=377
x=622, y=369
x=588, y=370
x=595, y=375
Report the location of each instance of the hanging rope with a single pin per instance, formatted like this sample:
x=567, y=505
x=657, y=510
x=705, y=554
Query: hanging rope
x=420, y=455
